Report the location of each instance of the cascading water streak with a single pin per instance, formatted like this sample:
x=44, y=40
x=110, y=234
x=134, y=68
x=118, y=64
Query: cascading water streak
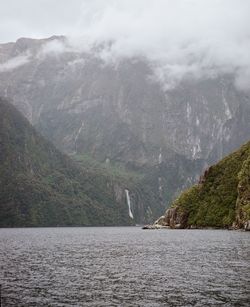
x=129, y=204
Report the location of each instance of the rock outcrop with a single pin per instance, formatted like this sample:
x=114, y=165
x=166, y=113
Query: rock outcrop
x=173, y=218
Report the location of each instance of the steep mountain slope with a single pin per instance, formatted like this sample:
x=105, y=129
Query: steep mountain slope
x=120, y=111
x=39, y=186
x=220, y=199
x=120, y=115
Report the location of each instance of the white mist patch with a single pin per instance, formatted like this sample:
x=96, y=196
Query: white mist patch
x=15, y=62
x=55, y=48
x=129, y=204
x=79, y=62
x=181, y=38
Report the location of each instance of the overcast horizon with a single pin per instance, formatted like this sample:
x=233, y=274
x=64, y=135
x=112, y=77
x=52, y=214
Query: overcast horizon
x=198, y=38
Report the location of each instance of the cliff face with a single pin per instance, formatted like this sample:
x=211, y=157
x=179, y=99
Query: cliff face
x=120, y=112
x=39, y=186
x=120, y=115
x=220, y=199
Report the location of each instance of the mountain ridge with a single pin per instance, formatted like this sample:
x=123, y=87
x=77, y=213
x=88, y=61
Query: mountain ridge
x=82, y=104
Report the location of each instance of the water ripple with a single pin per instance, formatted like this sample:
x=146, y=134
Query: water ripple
x=124, y=266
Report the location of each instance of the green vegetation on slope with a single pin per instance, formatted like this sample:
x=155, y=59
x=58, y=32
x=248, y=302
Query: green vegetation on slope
x=150, y=186
x=222, y=195
x=39, y=186
x=142, y=186
x=110, y=170
x=243, y=200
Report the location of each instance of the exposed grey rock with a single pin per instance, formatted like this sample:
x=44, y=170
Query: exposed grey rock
x=247, y=226
x=173, y=218
x=118, y=113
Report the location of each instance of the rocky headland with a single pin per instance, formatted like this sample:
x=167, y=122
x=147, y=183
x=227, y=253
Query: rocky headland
x=221, y=199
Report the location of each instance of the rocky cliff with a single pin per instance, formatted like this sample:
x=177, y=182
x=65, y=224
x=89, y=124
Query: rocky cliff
x=220, y=199
x=119, y=113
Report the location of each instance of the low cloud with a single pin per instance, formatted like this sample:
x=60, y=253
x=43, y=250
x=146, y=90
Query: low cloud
x=15, y=62
x=180, y=38
x=53, y=48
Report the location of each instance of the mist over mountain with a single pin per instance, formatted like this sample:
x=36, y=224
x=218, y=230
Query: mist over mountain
x=181, y=39
x=160, y=89
x=110, y=111
x=120, y=112
x=121, y=116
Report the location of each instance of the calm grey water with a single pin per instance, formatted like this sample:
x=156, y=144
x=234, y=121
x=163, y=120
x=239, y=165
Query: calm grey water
x=124, y=266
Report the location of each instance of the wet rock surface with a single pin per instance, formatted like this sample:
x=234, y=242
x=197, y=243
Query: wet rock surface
x=173, y=219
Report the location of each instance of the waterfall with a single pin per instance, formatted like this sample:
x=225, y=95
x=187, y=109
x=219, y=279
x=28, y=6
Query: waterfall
x=160, y=157
x=77, y=135
x=129, y=204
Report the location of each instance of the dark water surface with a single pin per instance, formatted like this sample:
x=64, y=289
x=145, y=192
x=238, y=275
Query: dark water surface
x=124, y=266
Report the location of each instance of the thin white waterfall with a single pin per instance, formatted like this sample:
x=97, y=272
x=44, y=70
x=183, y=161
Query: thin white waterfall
x=77, y=135
x=129, y=204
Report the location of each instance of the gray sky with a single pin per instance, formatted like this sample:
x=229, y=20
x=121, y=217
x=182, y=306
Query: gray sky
x=37, y=18
x=181, y=37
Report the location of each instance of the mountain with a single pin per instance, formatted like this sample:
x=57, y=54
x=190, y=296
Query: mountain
x=119, y=114
x=119, y=111
x=40, y=186
x=220, y=199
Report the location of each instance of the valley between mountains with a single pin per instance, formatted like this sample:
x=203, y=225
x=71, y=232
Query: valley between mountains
x=84, y=142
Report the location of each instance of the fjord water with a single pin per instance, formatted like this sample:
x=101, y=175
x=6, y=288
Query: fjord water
x=124, y=266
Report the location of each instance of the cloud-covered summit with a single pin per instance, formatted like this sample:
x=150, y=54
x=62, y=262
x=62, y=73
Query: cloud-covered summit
x=180, y=38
